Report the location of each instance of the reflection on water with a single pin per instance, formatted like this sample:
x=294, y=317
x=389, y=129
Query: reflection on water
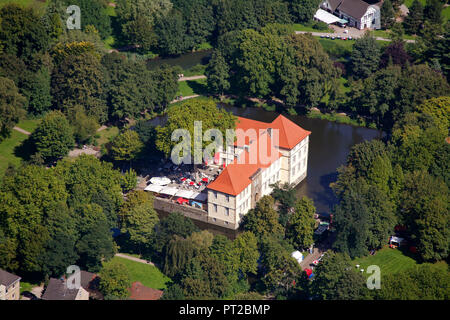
x=329, y=146
x=185, y=61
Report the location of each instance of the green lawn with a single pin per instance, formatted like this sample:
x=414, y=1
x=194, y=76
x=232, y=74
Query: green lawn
x=302, y=27
x=386, y=33
x=196, y=70
x=28, y=125
x=408, y=3
x=148, y=275
x=446, y=14
x=337, y=48
x=25, y=3
x=204, y=46
x=193, y=87
x=106, y=135
x=8, y=151
x=7, y=147
x=389, y=260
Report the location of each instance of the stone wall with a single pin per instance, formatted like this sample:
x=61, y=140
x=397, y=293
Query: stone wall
x=191, y=212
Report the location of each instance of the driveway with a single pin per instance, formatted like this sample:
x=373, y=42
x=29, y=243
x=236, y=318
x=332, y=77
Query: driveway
x=352, y=32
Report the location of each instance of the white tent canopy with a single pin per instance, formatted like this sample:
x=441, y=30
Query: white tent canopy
x=154, y=188
x=297, y=255
x=160, y=181
x=187, y=194
x=169, y=191
x=326, y=17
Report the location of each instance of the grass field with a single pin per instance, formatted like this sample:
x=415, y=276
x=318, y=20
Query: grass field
x=25, y=3
x=106, y=135
x=446, y=14
x=196, y=70
x=408, y=3
x=389, y=260
x=28, y=125
x=7, y=148
x=193, y=87
x=148, y=275
x=386, y=34
x=301, y=27
x=9, y=145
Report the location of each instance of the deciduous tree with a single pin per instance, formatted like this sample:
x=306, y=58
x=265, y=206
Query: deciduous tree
x=53, y=138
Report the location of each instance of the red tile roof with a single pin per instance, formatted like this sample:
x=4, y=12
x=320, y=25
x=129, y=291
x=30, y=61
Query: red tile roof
x=290, y=133
x=140, y=292
x=237, y=175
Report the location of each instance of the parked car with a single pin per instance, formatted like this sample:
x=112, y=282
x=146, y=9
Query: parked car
x=332, y=38
x=350, y=38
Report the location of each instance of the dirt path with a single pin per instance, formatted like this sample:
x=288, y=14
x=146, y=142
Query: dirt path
x=185, y=98
x=192, y=78
x=102, y=128
x=22, y=131
x=125, y=256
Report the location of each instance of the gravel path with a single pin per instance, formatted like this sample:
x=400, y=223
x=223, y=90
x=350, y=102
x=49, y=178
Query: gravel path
x=22, y=131
x=185, y=98
x=192, y=78
x=125, y=256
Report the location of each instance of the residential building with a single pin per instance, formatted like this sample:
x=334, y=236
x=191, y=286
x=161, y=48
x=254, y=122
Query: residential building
x=140, y=292
x=263, y=154
x=57, y=289
x=9, y=286
x=358, y=13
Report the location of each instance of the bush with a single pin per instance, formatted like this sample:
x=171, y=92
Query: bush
x=319, y=25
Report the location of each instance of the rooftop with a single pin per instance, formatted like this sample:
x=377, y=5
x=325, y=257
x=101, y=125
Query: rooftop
x=140, y=292
x=7, y=278
x=237, y=175
x=57, y=290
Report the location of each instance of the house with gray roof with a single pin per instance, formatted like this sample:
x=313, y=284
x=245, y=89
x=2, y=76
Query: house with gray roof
x=57, y=289
x=359, y=14
x=9, y=286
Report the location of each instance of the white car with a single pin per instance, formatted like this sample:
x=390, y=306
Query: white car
x=345, y=31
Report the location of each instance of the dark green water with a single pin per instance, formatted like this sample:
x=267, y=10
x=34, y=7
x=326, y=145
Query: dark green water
x=185, y=61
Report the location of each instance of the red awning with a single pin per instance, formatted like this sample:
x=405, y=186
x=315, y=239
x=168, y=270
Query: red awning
x=191, y=183
x=182, y=200
x=308, y=272
x=205, y=179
